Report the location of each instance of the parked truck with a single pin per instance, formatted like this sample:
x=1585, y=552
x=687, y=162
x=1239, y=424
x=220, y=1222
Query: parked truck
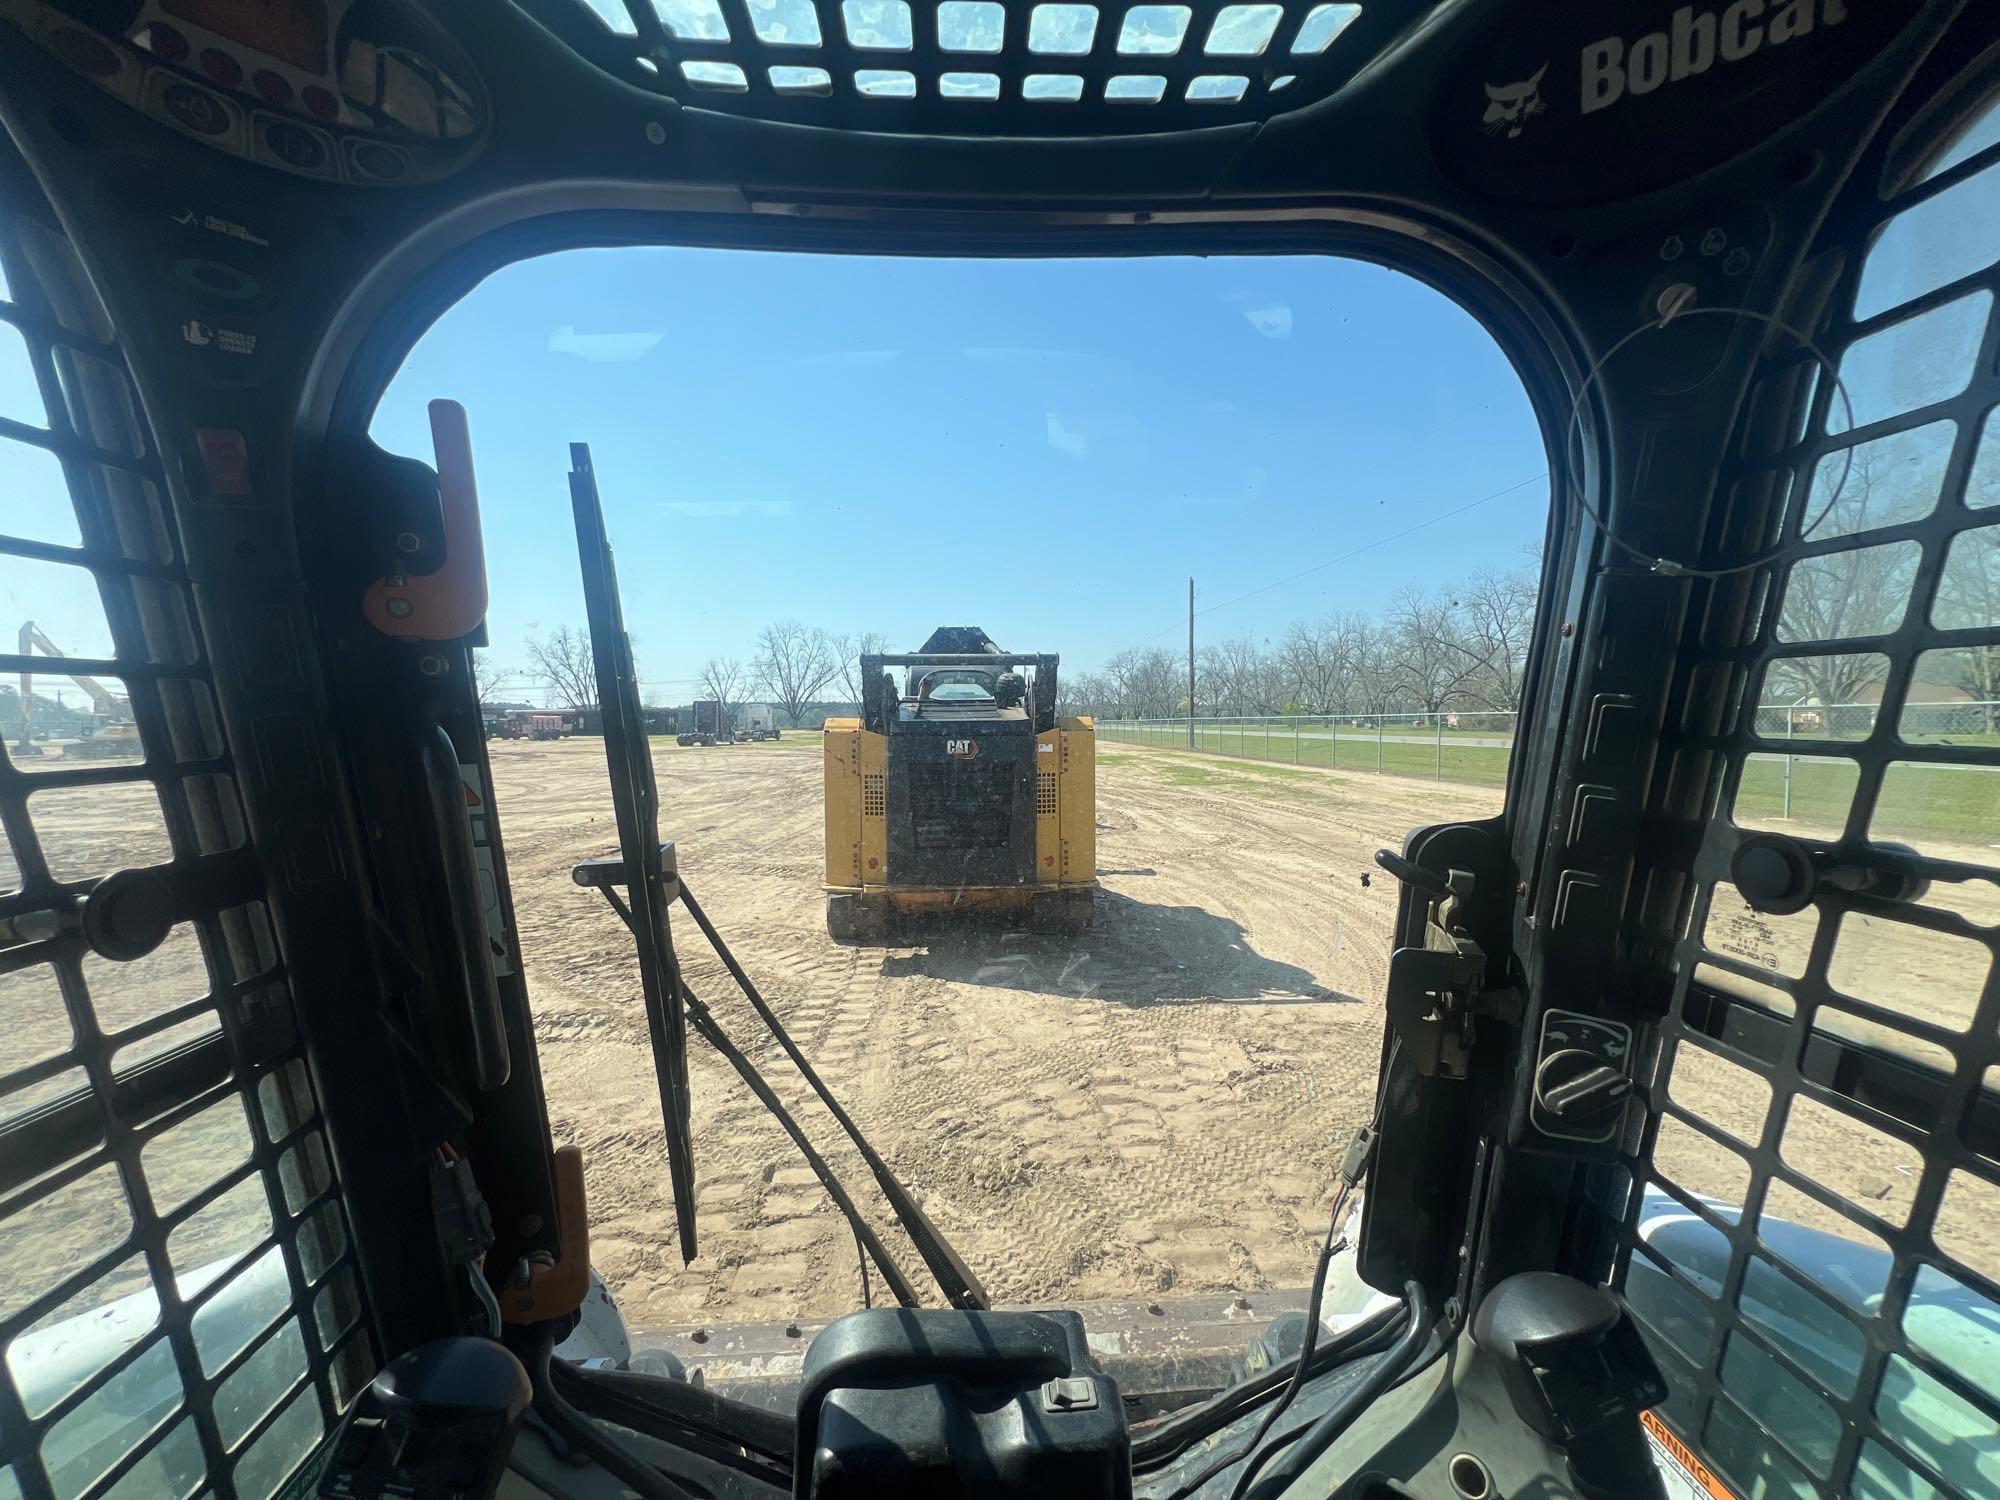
x=706, y=722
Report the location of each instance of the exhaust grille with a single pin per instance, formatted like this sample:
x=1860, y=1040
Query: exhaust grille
x=874, y=795
x=1045, y=793
x=962, y=806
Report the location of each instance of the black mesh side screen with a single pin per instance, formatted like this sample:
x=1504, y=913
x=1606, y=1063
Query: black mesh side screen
x=1814, y=1247
x=179, y=1308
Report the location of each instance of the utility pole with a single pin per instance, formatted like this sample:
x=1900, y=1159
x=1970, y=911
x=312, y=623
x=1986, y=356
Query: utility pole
x=1191, y=744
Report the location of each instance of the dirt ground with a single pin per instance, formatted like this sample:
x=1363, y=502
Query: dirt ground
x=1154, y=1108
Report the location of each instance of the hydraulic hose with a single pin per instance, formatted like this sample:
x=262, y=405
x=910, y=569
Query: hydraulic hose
x=1304, y=1366
x=1162, y=1445
x=1317, y=1438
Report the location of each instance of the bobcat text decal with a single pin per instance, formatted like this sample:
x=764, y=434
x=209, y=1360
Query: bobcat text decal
x=1695, y=41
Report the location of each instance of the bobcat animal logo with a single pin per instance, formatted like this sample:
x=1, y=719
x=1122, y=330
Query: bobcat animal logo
x=1509, y=106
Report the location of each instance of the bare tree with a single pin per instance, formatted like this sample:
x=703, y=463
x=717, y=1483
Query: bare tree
x=561, y=659
x=1148, y=684
x=1430, y=652
x=1221, y=677
x=794, y=662
x=1377, y=669
x=1118, y=674
x=1497, y=612
x=1433, y=663
x=488, y=677
x=720, y=677
x=1359, y=640
x=1312, y=664
x=1861, y=591
x=1237, y=677
x=1086, y=693
x=1837, y=596
x=1968, y=598
x=847, y=653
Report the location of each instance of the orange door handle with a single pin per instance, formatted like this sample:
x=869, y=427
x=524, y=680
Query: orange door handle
x=450, y=602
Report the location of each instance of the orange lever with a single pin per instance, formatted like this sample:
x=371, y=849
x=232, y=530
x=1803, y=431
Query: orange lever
x=555, y=1289
x=450, y=602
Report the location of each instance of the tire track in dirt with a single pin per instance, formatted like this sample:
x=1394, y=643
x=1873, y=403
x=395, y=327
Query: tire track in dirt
x=1157, y=1105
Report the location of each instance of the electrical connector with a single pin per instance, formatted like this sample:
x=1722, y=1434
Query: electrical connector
x=1359, y=1150
x=464, y=1222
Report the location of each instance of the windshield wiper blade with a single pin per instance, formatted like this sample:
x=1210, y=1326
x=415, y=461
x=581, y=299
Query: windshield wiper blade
x=646, y=869
x=635, y=802
x=606, y=874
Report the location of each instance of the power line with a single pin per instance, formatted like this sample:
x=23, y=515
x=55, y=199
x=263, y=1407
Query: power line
x=1395, y=536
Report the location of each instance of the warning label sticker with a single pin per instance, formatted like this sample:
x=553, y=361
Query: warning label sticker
x=1684, y=1475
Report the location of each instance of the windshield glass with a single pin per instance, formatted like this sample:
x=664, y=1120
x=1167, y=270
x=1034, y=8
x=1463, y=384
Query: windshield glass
x=1109, y=999
x=959, y=686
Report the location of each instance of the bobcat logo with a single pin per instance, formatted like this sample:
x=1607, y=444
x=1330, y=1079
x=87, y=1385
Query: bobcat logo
x=1509, y=106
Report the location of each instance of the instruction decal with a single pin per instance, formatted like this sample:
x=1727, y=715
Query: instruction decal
x=1682, y=1473
x=187, y=218
x=480, y=812
x=228, y=340
x=1746, y=934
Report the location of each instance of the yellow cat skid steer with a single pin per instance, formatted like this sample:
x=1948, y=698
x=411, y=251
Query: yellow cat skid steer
x=959, y=788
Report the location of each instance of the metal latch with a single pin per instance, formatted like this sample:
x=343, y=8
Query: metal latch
x=1435, y=992
x=1070, y=1393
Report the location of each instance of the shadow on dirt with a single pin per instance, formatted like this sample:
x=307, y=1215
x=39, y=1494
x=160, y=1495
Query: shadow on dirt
x=1135, y=953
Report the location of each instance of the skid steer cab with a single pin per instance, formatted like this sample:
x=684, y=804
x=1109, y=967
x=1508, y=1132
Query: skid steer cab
x=959, y=790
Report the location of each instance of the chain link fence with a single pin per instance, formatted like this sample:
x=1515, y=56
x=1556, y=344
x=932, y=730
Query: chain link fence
x=1807, y=790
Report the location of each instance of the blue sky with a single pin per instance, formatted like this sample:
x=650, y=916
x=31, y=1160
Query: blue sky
x=1046, y=449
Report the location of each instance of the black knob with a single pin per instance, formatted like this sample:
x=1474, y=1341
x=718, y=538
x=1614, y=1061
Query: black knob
x=1773, y=873
x=1581, y=1089
x=128, y=914
x=1780, y=875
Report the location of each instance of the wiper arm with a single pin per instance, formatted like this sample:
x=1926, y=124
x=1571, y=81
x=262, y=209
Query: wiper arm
x=635, y=802
x=645, y=869
x=960, y=1287
x=604, y=875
